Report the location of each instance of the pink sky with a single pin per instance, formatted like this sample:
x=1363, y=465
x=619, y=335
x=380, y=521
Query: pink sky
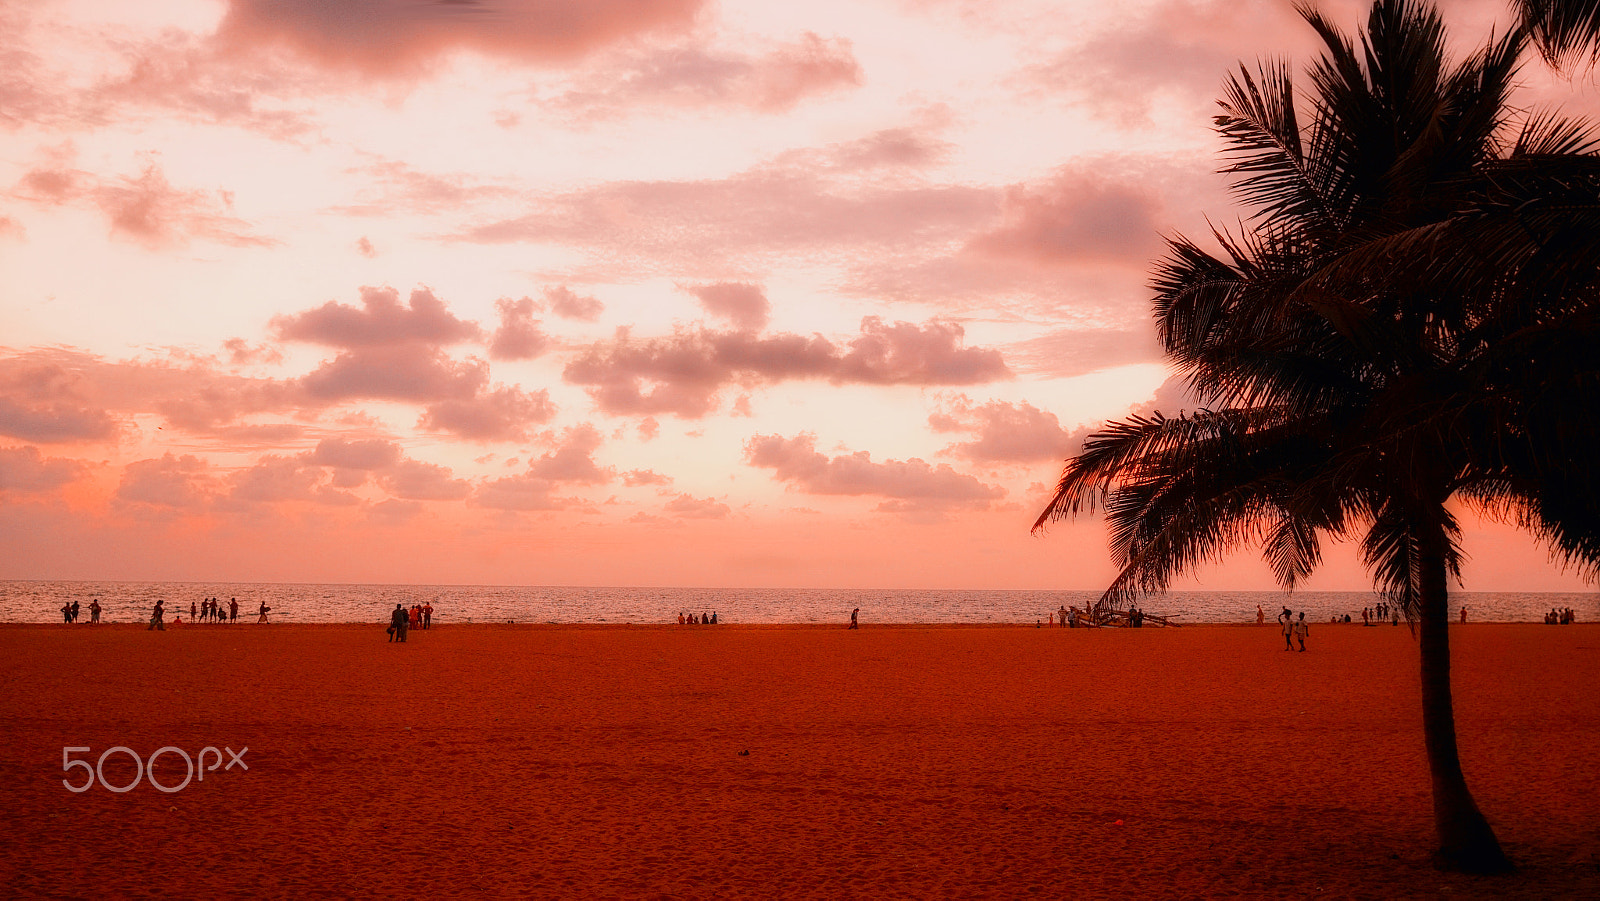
x=655, y=292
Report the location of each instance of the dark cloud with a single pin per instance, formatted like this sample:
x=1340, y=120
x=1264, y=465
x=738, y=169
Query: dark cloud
x=380, y=322
x=519, y=336
x=502, y=414
x=403, y=38
x=45, y=401
x=682, y=374
x=23, y=470
x=912, y=483
x=742, y=304
x=1005, y=432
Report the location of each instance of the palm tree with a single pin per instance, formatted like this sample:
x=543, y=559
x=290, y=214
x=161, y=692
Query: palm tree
x=1389, y=337
x=1565, y=30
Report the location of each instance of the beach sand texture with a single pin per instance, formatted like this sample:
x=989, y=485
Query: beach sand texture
x=894, y=761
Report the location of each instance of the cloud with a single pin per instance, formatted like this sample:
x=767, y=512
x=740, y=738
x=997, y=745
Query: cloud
x=519, y=336
x=183, y=483
x=573, y=459
x=405, y=372
x=43, y=401
x=568, y=304
x=274, y=478
x=23, y=470
x=361, y=454
x=501, y=414
x=403, y=38
x=912, y=483
x=418, y=481
x=525, y=492
x=682, y=374
x=638, y=478
x=688, y=507
x=380, y=322
x=697, y=75
x=742, y=304
x=1078, y=351
x=1006, y=432
x=1077, y=217
x=242, y=353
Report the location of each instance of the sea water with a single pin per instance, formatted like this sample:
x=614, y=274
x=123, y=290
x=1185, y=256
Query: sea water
x=41, y=601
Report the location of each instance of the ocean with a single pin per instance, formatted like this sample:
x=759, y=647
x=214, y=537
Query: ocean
x=41, y=601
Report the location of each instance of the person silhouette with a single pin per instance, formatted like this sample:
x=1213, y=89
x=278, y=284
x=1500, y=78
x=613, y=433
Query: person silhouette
x=853, y=623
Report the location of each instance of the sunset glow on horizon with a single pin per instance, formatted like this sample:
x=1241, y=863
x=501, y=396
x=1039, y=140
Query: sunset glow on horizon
x=663, y=292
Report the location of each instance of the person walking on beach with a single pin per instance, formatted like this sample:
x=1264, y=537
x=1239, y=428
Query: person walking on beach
x=853, y=614
x=1301, y=630
x=1287, y=619
x=157, y=618
x=263, y=612
x=397, y=624
x=1261, y=616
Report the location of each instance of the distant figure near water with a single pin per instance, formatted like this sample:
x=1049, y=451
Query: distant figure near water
x=1261, y=616
x=1287, y=619
x=1301, y=630
x=398, y=620
x=263, y=612
x=158, y=618
x=853, y=614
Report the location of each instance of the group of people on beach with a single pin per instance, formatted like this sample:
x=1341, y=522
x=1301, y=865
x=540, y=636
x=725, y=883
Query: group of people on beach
x=1066, y=618
x=210, y=611
x=704, y=619
x=1294, y=627
x=403, y=620
x=71, y=612
x=1560, y=616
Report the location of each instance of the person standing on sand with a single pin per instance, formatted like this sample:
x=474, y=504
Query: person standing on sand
x=853, y=614
x=1287, y=619
x=1301, y=630
x=1261, y=616
x=94, y=610
x=427, y=616
x=1061, y=617
x=1463, y=612
x=157, y=618
x=397, y=624
x=233, y=610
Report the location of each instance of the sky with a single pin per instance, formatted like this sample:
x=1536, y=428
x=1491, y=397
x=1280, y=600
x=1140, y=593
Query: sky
x=621, y=292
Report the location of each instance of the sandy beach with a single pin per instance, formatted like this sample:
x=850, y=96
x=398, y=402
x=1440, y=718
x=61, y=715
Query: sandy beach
x=744, y=761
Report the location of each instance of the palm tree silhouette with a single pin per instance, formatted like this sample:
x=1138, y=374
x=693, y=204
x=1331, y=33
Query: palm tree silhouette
x=1400, y=327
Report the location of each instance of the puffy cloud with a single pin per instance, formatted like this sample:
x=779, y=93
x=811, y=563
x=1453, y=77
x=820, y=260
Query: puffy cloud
x=243, y=353
x=402, y=38
x=697, y=75
x=688, y=507
x=405, y=372
x=380, y=322
x=742, y=304
x=519, y=336
x=415, y=480
x=908, y=484
x=569, y=304
x=174, y=482
x=43, y=401
x=682, y=374
x=573, y=459
x=502, y=414
x=1006, y=432
x=23, y=470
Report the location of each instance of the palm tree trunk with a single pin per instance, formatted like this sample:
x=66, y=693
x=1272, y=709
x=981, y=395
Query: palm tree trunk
x=1466, y=843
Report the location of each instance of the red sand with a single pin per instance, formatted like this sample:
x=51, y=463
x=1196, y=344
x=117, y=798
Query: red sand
x=917, y=762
